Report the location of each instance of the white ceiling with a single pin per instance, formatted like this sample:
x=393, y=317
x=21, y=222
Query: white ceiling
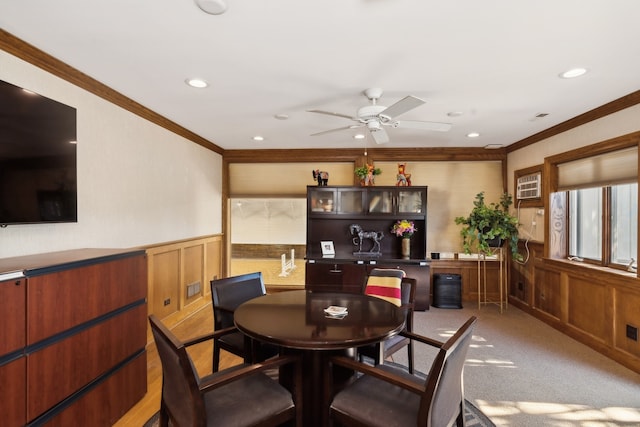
x=496, y=62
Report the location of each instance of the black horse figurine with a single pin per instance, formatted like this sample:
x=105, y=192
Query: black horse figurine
x=375, y=237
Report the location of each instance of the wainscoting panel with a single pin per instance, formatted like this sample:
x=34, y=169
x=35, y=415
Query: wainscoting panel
x=179, y=275
x=594, y=305
x=587, y=308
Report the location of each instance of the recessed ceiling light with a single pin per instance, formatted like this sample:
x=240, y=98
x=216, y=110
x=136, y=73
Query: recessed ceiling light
x=197, y=83
x=473, y=135
x=358, y=136
x=574, y=72
x=258, y=138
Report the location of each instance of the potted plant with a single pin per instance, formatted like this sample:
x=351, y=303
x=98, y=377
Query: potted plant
x=489, y=226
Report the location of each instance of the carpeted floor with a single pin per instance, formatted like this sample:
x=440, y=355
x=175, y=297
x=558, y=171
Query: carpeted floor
x=474, y=418
x=522, y=372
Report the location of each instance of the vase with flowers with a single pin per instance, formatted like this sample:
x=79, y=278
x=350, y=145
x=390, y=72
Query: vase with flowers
x=404, y=228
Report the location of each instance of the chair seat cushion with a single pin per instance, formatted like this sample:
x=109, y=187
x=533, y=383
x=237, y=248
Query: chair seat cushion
x=377, y=403
x=385, y=283
x=246, y=402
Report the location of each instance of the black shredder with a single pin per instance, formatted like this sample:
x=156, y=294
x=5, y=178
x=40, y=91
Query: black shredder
x=447, y=290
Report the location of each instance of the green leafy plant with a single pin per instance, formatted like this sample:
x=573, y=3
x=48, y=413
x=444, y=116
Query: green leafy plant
x=487, y=223
x=362, y=171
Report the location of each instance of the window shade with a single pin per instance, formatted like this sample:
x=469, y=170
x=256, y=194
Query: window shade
x=615, y=167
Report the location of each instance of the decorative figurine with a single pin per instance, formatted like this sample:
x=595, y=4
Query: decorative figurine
x=321, y=176
x=404, y=178
x=369, y=180
x=375, y=236
x=367, y=174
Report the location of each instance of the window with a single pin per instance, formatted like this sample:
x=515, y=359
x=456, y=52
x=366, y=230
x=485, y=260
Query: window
x=603, y=224
x=593, y=203
x=624, y=224
x=585, y=223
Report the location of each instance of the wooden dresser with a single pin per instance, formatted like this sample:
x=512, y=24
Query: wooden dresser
x=73, y=336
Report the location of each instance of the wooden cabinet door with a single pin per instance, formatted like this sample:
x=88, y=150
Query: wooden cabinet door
x=13, y=393
x=411, y=201
x=12, y=308
x=335, y=277
x=12, y=339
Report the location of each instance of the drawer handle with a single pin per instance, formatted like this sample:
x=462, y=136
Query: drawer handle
x=335, y=269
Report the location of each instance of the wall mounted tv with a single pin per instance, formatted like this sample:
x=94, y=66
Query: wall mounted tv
x=37, y=158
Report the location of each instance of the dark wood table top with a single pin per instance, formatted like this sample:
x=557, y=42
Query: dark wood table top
x=296, y=319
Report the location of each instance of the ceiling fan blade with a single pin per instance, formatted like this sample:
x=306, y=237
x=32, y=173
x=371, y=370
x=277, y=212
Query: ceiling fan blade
x=415, y=124
x=331, y=113
x=379, y=135
x=336, y=130
x=405, y=104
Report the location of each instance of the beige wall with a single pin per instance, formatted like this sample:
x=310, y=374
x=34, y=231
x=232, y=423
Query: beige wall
x=284, y=178
x=613, y=125
x=138, y=183
x=452, y=189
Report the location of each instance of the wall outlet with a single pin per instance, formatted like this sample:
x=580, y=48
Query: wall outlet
x=632, y=332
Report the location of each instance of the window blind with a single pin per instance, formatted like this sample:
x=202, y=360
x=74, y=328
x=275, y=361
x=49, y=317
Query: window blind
x=615, y=167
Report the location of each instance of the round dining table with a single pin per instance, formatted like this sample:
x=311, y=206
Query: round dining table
x=298, y=323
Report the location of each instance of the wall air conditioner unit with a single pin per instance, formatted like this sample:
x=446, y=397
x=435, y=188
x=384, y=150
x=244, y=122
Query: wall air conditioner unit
x=529, y=186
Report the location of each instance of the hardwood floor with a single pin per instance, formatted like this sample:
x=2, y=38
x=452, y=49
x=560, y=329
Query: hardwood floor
x=201, y=322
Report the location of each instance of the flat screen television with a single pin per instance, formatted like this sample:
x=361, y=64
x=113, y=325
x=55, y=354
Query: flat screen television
x=38, y=182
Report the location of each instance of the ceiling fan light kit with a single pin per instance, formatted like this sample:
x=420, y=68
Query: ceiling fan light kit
x=212, y=7
x=374, y=117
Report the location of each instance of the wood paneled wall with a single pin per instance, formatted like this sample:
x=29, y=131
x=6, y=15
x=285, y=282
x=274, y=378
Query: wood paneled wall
x=175, y=266
x=590, y=304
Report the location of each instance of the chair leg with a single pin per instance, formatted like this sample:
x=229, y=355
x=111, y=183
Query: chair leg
x=410, y=355
x=216, y=357
x=164, y=416
x=460, y=421
x=250, y=350
x=380, y=354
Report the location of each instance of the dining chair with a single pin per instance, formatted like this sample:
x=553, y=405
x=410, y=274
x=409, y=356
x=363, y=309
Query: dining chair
x=380, y=351
x=225, y=398
x=388, y=395
x=226, y=295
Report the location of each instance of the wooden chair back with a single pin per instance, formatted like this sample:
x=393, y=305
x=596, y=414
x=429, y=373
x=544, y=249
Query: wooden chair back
x=443, y=400
x=181, y=398
x=228, y=293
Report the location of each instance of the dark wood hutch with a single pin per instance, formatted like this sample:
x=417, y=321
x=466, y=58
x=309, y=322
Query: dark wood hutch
x=331, y=210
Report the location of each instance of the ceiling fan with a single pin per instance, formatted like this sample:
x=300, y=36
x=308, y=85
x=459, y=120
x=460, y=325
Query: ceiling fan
x=375, y=117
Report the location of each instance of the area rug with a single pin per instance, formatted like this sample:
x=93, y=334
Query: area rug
x=473, y=416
